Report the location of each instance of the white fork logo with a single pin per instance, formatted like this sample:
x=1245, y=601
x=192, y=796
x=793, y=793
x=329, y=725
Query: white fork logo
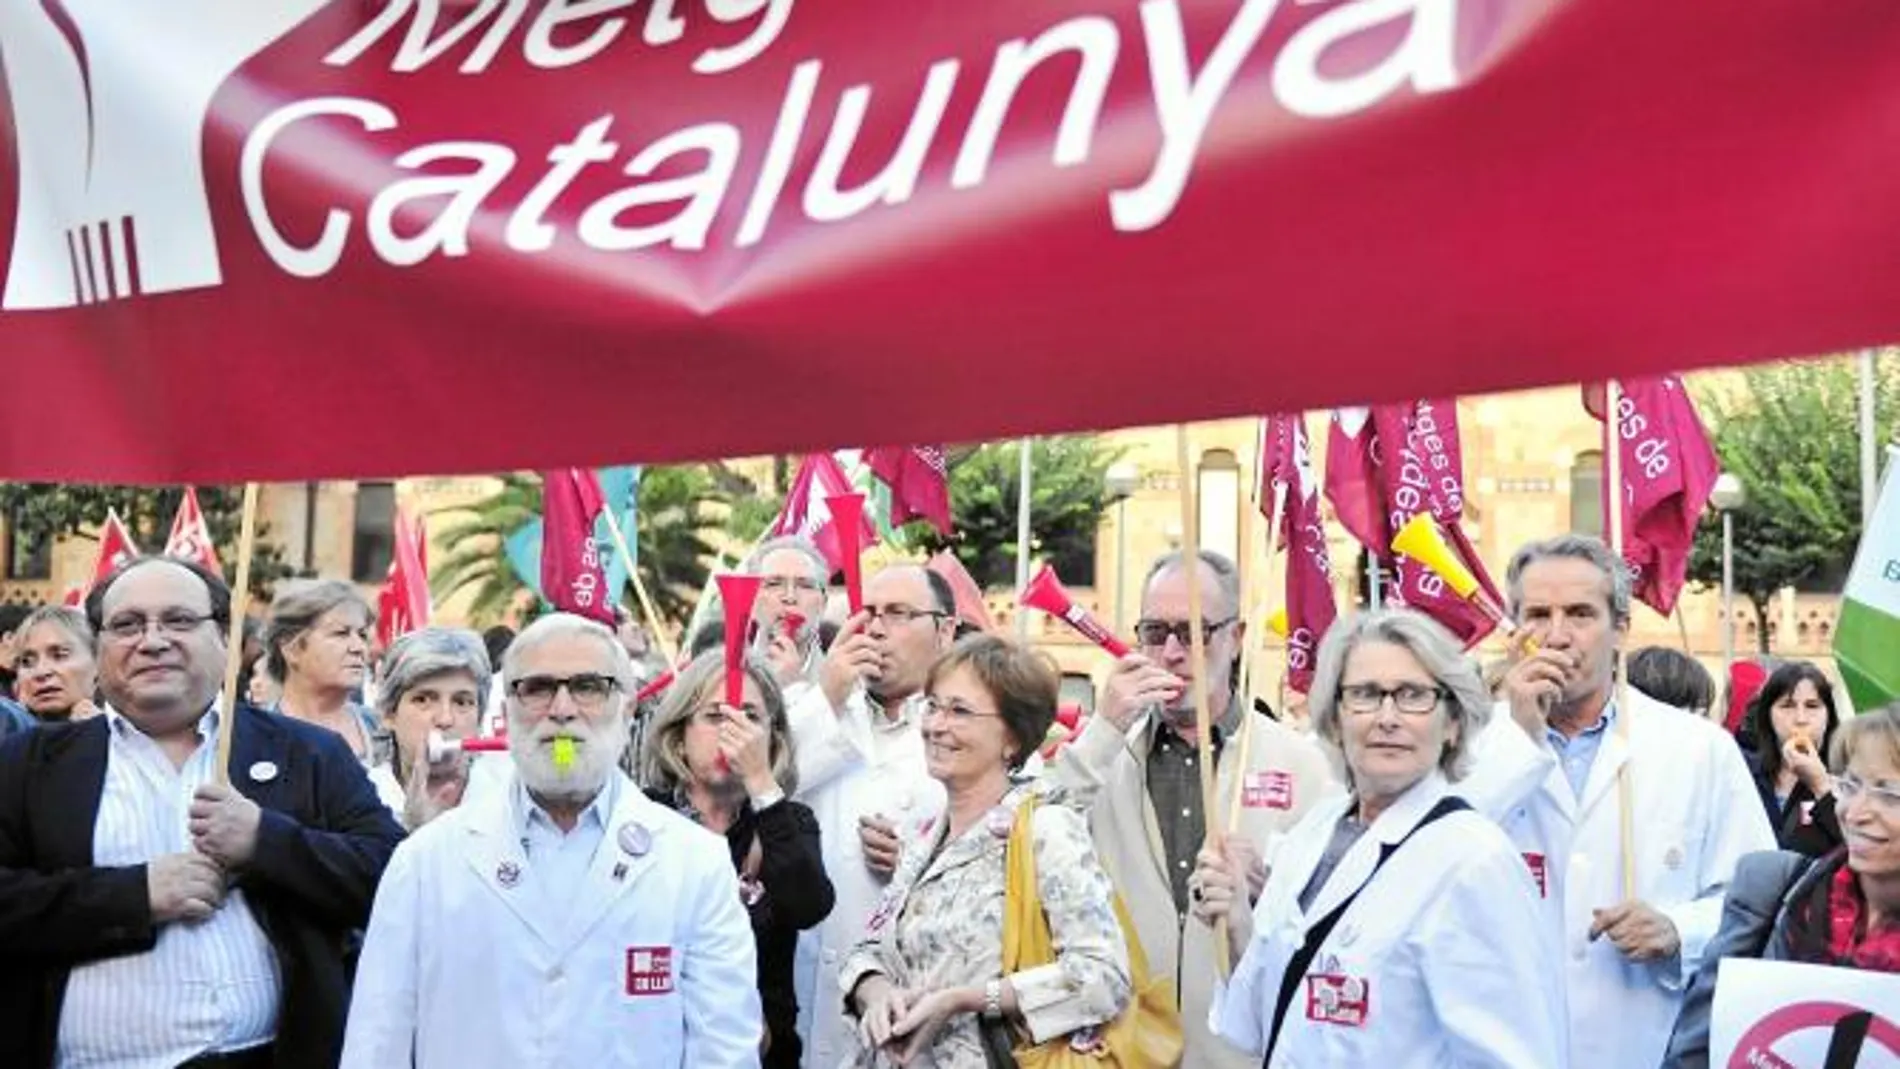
x=110, y=101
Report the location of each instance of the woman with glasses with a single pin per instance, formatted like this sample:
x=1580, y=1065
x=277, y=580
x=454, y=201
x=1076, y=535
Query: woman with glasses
x=1791, y=722
x=730, y=769
x=1842, y=909
x=434, y=682
x=929, y=968
x=56, y=664
x=1398, y=928
x=316, y=646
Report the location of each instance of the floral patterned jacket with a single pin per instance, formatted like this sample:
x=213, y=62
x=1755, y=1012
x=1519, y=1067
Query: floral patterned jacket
x=940, y=925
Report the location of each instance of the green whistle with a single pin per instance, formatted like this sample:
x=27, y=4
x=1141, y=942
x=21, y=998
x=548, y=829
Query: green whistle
x=563, y=754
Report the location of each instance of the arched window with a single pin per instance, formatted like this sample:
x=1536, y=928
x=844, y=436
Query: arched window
x=1586, y=494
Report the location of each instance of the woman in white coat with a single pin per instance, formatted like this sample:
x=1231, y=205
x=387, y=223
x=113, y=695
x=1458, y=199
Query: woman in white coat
x=1398, y=927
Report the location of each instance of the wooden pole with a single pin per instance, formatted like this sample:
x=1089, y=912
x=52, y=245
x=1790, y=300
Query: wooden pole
x=1625, y=791
x=234, y=633
x=1197, y=644
x=668, y=647
x=1256, y=633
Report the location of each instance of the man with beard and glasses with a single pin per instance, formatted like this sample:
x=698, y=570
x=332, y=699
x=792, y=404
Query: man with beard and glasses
x=1135, y=766
x=565, y=918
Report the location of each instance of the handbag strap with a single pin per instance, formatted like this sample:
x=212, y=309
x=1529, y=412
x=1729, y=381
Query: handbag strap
x=1316, y=935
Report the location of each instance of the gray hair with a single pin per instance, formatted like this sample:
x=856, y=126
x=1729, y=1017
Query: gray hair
x=1469, y=705
x=296, y=609
x=429, y=652
x=567, y=625
x=69, y=619
x=1572, y=547
x=663, y=758
x=820, y=567
x=1226, y=576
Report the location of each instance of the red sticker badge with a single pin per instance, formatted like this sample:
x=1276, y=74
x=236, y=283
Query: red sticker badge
x=1340, y=1000
x=1537, y=864
x=1271, y=789
x=649, y=970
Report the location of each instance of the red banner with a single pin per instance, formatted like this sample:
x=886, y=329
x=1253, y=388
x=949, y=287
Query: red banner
x=573, y=578
x=1669, y=470
x=190, y=538
x=221, y=228
x=1288, y=482
x=402, y=605
x=919, y=483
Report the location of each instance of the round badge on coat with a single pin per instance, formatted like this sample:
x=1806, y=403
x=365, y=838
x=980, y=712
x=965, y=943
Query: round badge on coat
x=1000, y=820
x=263, y=772
x=636, y=840
x=508, y=874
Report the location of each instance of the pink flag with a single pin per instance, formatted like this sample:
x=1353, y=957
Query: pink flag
x=1422, y=472
x=806, y=514
x=1352, y=478
x=919, y=482
x=115, y=548
x=572, y=575
x=191, y=538
x=403, y=603
x=1287, y=476
x=970, y=606
x=1669, y=469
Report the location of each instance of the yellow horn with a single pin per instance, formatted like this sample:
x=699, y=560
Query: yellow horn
x=1421, y=540
x=1277, y=623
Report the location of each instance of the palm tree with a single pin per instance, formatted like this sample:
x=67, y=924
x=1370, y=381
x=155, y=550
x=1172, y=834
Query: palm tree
x=671, y=542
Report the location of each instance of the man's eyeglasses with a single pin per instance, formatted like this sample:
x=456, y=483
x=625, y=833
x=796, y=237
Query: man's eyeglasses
x=1848, y=788
x=955, y=710
x=172, y=623
x=589, y=690
x=1154, y=633
x=899, y=615
x=781, y=585
x=1413, y=699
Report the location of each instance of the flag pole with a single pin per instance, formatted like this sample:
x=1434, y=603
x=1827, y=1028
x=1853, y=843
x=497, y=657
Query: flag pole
x=1024, y=474
x=1869, y=450
x=234, y=633
x=647, y=608
x=1626, y=834
x=1256, y=634
x=1197, y=643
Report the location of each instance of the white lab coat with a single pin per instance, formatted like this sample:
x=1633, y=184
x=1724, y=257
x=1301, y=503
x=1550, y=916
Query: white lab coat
x=460, y=969
x=1695, y=813
x=849, y=767
x=1445, y=943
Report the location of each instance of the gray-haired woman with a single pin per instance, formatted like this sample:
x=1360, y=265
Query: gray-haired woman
x=1370, y=948
x=434, y=681
x=730, y=768
x=56, y=664
x=316, y=646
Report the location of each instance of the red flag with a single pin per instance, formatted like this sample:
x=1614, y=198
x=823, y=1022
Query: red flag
x=115, y=548
x=403, y=604
x=572, y=576
x=970, y=606
x=1287, y=477
x=919, y=482
x=1352, y=478
x=806, y=514
x=190, y=538
x=1669, y=469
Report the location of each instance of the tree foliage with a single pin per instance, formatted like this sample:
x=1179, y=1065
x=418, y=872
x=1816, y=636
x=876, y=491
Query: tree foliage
x=55, y=510
x=674, y=521
x=1790, y=434
x=1067, y=496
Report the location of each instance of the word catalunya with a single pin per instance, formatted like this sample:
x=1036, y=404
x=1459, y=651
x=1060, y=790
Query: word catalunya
x=706, y=184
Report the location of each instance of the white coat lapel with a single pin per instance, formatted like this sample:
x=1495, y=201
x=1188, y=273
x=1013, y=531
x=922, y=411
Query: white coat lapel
x=494, y=851
x=1612, y=755
x=636, y=836
x=1392, y=826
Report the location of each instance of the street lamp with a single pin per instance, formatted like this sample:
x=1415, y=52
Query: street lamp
x=1727, y=495
x=1121, y=481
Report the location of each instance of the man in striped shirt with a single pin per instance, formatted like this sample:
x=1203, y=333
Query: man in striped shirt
x=150, y=915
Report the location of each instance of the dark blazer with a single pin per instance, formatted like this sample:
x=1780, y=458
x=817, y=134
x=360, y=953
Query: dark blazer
x=1815, y=833
x=322, y=844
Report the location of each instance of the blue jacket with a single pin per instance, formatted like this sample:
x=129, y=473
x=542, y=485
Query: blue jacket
x=14, y=717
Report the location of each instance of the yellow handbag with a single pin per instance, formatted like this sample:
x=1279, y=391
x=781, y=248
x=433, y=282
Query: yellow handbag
x=1147, y=1035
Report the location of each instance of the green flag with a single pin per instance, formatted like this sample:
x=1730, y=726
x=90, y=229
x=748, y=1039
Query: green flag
x=1867, y=639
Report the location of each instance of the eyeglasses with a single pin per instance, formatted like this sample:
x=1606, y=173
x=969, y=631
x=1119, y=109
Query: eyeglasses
x=1413, y=699
x=173, y=623
x=899, y=615
x=1155, y=633
x=781, y=585
x=589, y=690
x=957, y=711
x=1848, y=788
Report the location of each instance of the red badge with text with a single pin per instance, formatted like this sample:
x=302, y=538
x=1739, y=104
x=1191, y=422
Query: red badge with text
x=1271, y=789
x=649, y=970
x=1341, y=1000
x=1538, y=873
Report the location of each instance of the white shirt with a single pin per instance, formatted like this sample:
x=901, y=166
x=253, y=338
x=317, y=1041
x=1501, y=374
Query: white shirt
x=208, y=986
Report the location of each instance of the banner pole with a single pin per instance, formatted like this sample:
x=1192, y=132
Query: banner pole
x=647, y=608
x=1197, y=644
x=1025, y=473
x=1626, y=833
x=234, y=633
